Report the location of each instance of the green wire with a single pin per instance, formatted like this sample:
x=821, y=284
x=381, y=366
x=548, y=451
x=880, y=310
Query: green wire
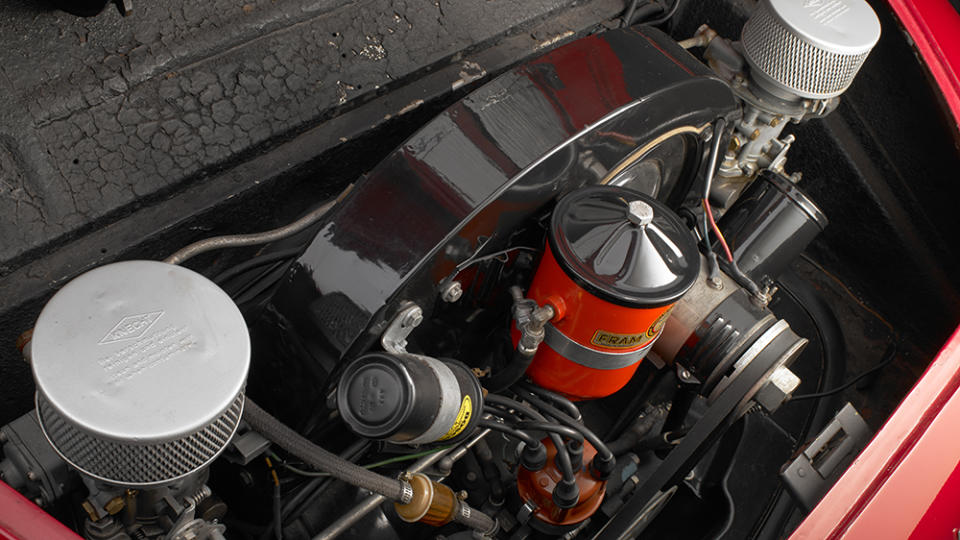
x=395, y=459
x=405, y=457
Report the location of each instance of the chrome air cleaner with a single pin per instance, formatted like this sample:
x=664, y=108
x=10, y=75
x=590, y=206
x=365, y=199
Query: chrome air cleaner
x=809, y=48
x=140, y=368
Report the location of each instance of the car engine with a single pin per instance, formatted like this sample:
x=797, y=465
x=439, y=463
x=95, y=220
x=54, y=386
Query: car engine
x=563, y=307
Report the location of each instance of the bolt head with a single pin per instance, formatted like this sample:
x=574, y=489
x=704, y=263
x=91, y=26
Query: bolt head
x=32, y=476
x=413, y=317
x=778, y=388
x=639, y=213
x=452, y=292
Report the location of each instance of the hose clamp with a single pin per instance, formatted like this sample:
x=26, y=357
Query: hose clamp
x=592, y=358
x=406, y=492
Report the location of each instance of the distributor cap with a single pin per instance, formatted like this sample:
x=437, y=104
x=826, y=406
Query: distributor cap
x=623, y=246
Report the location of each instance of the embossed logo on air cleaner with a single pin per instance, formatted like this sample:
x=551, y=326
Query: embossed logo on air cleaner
x=131, y=327
x=826, y=11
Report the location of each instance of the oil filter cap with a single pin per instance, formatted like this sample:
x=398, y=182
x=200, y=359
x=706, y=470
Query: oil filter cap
x=140, y=368
x=623, y=246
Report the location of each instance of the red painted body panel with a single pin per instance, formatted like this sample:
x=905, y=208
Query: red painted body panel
x=20, y=519
x=905, y=483
x=934, y=26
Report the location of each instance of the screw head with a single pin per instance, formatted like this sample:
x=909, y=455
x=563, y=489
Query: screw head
x=32, y=476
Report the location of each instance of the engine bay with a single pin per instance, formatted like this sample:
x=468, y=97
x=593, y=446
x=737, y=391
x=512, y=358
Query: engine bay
x=579, y=301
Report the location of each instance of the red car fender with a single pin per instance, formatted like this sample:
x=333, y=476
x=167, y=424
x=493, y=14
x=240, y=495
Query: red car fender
x=20, y=519
x=934, y=26
x=906, y=483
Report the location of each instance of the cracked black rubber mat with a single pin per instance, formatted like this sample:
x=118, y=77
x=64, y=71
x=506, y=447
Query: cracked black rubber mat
x=105, y=114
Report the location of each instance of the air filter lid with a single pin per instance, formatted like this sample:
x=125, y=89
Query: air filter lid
x=623, y=246
x=836, y=26
x=140, y=368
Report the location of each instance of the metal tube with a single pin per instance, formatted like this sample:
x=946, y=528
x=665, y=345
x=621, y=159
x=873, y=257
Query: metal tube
x=357, y=513
x=240, y=240
x=445, y=464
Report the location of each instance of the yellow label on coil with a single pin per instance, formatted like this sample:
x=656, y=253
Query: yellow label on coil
x=463, y=418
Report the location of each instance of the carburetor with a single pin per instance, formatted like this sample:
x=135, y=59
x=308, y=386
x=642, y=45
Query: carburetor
x=792, y=63
x=140, y=368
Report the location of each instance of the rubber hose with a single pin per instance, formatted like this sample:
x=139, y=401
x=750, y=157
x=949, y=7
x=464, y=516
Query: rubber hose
x=510, y=373
x=274, y=430
x=475, y=520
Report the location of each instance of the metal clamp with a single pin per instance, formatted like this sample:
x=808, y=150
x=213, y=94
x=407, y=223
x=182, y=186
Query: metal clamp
x=575, y=352
x=394, y=338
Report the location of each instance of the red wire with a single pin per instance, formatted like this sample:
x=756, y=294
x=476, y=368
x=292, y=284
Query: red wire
x=716, y=231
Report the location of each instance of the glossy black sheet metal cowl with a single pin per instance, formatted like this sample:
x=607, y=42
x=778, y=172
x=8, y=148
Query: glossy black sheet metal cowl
x=585, y=113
